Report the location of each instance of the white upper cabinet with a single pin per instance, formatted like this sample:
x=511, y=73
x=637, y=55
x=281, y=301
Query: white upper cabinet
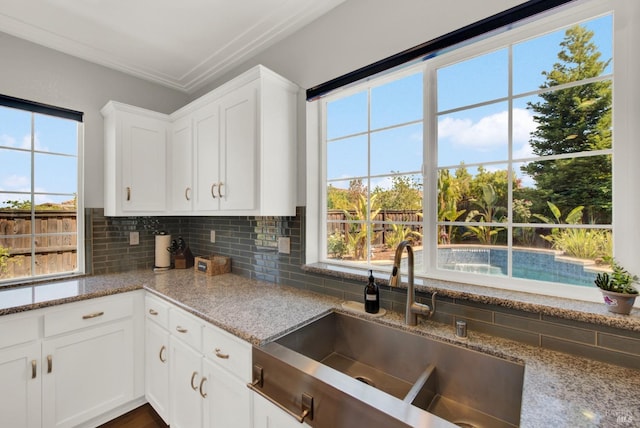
x=181, y=192
x=230, y=152
x=135, y=172
x=206, y=130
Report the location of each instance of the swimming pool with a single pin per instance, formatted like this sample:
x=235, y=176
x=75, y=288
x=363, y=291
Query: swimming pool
x=535, y=264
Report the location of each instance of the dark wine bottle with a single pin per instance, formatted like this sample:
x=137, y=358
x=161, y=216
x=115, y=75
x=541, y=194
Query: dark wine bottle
x=371, y=296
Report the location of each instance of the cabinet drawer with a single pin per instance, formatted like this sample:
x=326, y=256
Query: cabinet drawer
x=186, y=328
x=157, y=310
x=18, y=330
x=228, y=351
x=92, y=312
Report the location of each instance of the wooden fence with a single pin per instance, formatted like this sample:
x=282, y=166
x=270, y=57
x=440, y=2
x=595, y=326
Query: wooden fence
x=337, y=222
x=53, y=233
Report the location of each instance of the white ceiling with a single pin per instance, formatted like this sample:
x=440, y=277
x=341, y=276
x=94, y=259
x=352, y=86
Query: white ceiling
x=183, y=44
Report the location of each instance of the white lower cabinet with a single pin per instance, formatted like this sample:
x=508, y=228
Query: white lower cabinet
x=268, y=415
x=185, y=387
x=208, y=371
x=70, y=365
x=228, y=400
x=157, y=368
x=20, y=389
x=87, y=374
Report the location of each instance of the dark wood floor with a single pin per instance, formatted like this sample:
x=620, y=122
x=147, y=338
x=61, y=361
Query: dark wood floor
x=142, y=417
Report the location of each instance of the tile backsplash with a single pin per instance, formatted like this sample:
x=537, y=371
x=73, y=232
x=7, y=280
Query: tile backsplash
x=252, y=244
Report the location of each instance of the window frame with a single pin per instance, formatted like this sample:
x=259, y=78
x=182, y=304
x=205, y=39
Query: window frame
x=36, y=108
x=624, y=30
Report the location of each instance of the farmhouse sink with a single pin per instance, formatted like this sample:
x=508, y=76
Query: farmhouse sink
x=353, y=367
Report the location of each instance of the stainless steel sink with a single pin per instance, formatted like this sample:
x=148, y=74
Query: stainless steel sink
x=403, y=375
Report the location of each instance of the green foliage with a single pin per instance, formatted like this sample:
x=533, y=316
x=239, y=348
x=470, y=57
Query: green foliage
x=576, y=242
x=583, y=243
x=336, y=246
x=488, y=212
x=357, y=236
x=399, y=233
x=522, y=214
x=449, y=191
x=405, y=195
x=619, y=281
x=572, y=120
x=18, y=205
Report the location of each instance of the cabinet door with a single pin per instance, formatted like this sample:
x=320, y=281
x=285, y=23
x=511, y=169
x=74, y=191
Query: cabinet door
x=267, y=415
x=239, y=170
x=157, y=368
x=87, y=373
x=228, y=400
x=185, y=377
x=20, y=402
x=144, y=169
x=206, y=130
x=181, y=167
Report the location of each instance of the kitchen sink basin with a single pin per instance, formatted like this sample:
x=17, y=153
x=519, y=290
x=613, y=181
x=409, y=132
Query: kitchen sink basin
x=409, y=377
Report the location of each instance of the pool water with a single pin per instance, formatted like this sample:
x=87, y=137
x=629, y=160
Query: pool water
x=536, y=265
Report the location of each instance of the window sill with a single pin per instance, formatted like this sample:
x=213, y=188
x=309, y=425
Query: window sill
x=560, y=307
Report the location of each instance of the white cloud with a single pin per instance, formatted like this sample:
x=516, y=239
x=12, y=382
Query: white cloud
x=489, y=132
x=18, y=183
x=7, y=140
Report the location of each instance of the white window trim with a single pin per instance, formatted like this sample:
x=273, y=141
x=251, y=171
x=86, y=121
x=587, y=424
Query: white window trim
x=626, y=107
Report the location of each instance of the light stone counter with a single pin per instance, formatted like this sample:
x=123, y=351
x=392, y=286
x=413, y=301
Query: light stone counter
x=560, y=390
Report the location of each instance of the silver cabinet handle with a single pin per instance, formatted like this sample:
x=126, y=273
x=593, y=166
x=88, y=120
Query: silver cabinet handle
x=153, y=312
x=306, y=404
x=213, y=190
x=219, y=354
x=220, y=190
x=187, y=193
x=49, y=363
x=93, y=315
x=128, y=194
x=160, y=355
x=181, y=329
x=34, y=369
x=193, y=378
x=202, y=393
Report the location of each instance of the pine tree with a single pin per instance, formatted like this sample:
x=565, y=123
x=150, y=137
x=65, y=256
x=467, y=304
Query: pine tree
x=571, y=120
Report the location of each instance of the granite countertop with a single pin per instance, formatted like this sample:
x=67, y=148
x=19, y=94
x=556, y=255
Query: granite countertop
x=560, y=390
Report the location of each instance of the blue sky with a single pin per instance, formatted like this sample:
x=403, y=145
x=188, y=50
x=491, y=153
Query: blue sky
x=472, y=135
x=53, y=173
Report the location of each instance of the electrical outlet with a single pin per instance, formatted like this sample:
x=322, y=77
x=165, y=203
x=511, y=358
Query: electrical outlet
x=213, y=236
x=134, y=238
x=284, y=245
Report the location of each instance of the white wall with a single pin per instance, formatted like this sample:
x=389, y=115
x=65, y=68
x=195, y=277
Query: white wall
x=358, y=33
x=35, y=73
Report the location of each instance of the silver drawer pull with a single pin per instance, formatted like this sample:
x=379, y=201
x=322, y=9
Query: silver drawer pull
x=34, y=369
x=306, y=402
x=93, y=315
x=153, y=312
x=181, y=329
x=203, y=394
x=161, y=354
x=193, y=378
x=219, y=354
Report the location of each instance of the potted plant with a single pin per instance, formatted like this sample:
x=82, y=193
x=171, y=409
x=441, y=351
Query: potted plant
x=617, y=288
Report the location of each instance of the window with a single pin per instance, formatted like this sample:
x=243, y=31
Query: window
x=40, y=195
x=495, y=159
